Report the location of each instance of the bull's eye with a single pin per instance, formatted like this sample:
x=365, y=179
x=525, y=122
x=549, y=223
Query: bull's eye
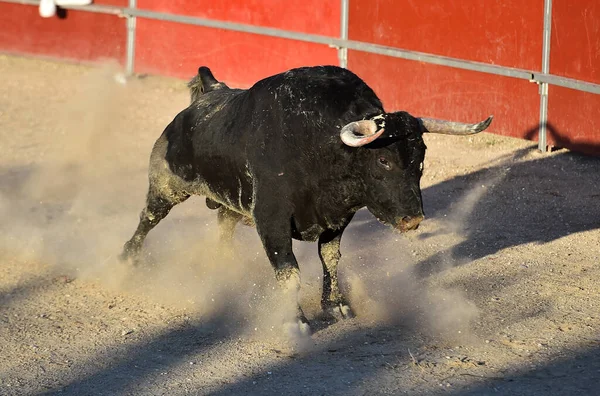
x=421, y=167
x=384, y=163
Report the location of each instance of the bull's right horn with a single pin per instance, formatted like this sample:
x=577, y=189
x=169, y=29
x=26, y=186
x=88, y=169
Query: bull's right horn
x=359, y=133
x=454, y=128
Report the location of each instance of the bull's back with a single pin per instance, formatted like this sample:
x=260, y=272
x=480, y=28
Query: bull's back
x=282, y=126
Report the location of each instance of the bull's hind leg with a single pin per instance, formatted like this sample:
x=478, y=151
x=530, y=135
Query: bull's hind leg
x=228, y=219
x=157, y=208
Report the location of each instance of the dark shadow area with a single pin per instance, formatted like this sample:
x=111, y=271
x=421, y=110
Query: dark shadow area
x=562, y=140
x=24, y=290
x=511, y=203
x=357, y=357
x=575, y=375
x=515, y=203
x=135, y=366
x=151, y=367
x=314, y=374
x=367, y=361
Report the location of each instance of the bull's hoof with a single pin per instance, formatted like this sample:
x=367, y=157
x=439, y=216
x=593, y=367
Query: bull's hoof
x=297, y=328
x=129, y=257
x=338, y=311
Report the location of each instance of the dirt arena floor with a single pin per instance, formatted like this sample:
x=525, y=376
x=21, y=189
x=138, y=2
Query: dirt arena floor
x=498, y=291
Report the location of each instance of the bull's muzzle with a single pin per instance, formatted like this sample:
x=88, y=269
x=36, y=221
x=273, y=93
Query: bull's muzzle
x=408, y=223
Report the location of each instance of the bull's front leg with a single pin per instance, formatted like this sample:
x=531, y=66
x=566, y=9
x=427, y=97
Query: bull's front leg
x=274, y=228
x=333, y=301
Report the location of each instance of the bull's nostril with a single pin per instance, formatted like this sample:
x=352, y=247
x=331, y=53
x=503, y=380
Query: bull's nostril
x=407, y=219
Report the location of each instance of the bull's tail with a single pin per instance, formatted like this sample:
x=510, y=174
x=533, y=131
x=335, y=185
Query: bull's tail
x=203, y=82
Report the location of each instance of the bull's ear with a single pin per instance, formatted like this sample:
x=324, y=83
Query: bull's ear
x=206, y=76
x=359, y=133
x=209, y=82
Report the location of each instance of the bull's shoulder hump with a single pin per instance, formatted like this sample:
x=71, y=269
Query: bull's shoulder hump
x=312, y=75
x=317, y=90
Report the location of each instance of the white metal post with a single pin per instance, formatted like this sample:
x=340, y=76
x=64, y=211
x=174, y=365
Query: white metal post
x=543, y=86
x=343, y=51
x=129, y=66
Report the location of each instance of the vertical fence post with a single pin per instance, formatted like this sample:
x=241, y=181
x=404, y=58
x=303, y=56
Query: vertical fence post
x=129, y=66
x=343, y=51
x=543, y=87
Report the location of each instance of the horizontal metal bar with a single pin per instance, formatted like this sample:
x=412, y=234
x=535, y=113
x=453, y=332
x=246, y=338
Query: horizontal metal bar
x=439, y=60
x=23, y=2
x=340, y=43
x=238, y=27
x=567, y=83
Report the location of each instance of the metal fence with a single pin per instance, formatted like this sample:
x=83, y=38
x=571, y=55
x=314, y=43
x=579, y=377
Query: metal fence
x=543, y=78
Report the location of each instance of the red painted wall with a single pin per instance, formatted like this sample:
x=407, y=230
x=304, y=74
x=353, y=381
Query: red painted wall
x=442, y=92
x=507, y=32
x=238, y=58
x=80, y=36
x=575, y=53
x=307, y=16
x=573, y=120
x=503, y=33
x=575, y=46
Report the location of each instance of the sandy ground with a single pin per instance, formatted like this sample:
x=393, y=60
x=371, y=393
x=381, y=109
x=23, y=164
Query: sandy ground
x=498, y=291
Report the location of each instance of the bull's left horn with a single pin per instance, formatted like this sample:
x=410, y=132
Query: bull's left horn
x=359, y=133
x=454, y=128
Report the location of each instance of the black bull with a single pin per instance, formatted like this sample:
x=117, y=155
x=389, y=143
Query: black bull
x=297, y=154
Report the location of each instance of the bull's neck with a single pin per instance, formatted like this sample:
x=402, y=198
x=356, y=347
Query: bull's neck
x=341, y=183
x=344, y=194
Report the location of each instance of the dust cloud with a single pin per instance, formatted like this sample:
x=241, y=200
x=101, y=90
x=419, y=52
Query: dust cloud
x=74, y=208
x=384, y=288
x=383, y=277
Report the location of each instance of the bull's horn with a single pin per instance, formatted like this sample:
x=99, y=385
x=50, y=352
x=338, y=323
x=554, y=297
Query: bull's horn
x=359, y=133
x=454, y=128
